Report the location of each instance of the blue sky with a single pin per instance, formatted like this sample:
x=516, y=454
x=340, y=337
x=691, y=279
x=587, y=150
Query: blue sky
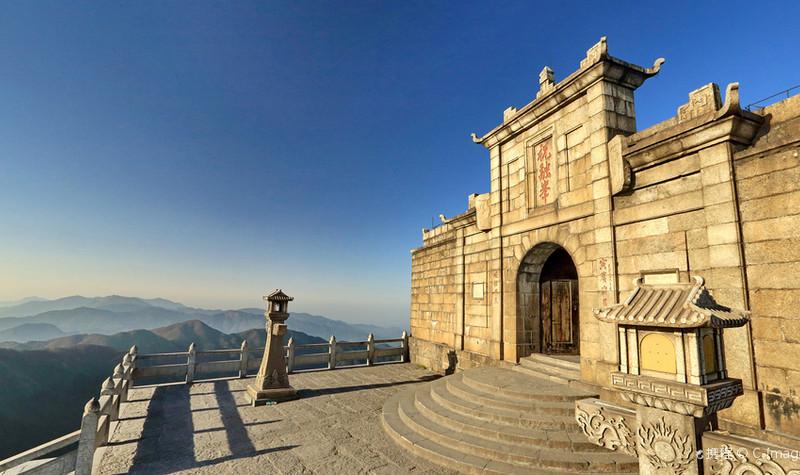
x=210, y=151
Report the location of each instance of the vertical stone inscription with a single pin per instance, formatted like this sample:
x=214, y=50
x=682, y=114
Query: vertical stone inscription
x=543, y=155
x=603, y=279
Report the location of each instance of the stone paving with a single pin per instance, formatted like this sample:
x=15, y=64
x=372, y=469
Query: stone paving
x=334, y=428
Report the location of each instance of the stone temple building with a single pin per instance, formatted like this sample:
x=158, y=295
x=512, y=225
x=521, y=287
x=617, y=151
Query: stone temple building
x=582, y=204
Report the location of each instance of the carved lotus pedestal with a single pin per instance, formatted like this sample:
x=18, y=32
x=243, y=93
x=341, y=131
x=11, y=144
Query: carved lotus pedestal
x=671, y=418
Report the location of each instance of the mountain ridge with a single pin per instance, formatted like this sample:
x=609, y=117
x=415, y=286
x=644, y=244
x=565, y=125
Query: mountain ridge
x=175, y=337
x=115, y=314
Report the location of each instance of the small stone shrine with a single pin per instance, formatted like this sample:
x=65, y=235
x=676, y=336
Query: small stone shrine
x=672, y=366
x=272, y=382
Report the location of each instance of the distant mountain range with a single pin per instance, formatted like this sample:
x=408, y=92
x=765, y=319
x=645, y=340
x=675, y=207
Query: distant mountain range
x=39, y=319
x=175, y=337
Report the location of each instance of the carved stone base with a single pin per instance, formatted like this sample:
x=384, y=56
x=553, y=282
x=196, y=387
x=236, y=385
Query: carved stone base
x=266, y=396
x=668, y=442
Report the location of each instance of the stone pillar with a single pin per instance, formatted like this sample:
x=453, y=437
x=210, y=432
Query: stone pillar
x=371, y=349
x=668, y=442
x=290, y=356
x=244, y=360
x=332, y=352
x=87, y=442
x=191, y=361
x=272, y=382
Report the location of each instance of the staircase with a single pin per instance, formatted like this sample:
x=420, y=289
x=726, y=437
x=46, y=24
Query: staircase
x=558, y=369
x=491, y=420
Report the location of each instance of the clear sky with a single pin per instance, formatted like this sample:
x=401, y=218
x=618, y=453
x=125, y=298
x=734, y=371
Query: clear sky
x=210, y=151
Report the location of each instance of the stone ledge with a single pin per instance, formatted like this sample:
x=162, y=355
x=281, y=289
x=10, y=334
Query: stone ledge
x=683, y=398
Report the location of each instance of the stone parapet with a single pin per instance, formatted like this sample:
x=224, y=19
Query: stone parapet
x=607, y=425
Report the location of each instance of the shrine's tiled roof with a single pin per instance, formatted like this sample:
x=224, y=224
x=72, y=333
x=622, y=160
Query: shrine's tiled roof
x=278, y=296
x=680, y=305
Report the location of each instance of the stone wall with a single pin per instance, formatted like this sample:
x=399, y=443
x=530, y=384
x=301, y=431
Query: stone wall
x=449, y=294
x=768, y=187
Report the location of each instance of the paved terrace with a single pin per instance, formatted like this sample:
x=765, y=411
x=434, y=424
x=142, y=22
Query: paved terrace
x=209, y=427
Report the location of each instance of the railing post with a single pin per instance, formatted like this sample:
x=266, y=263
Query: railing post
x=243, y=361
x=404, y=357
x=290, y=356
x=134, y=355
x=371, y=349
x=87, y=441
x=127, y=370
x=332, y=356
x=110, y=389
x=190, y=362
x=122, y=390
x=119, y=378
x=134, y=351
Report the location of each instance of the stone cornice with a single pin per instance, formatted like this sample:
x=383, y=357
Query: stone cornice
x=675, y=138
x=435, y=236
x=597, y=66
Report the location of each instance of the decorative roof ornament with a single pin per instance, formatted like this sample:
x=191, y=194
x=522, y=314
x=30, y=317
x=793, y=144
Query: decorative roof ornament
x=547, y=81
x=679, y=305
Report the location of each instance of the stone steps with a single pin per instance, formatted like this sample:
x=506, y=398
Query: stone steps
x=488, y=379
x=458, y=388
x=550, y=368
x=524, y=419
x=554, y=439
x=490, y=420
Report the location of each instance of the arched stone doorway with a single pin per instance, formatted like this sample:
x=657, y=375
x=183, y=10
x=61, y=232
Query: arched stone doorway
x=547, y=302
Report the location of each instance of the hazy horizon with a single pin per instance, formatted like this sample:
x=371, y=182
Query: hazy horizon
x=7, y=302
x=209, y=152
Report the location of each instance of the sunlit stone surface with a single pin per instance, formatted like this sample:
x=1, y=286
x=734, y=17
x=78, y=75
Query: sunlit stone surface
x=209, y=427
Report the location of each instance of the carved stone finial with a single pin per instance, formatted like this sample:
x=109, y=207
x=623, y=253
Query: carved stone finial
x=118, y=371
x=731, y=105
x=546, y=81
x=656, y=67
x=597, y=52
x=92, y=406
x=546, y=76
x=510, y=112
x=702, y=101
x=108, y=384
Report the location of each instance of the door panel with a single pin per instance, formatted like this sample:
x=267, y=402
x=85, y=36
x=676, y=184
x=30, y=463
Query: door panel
x=546, y=321
x=560, y=316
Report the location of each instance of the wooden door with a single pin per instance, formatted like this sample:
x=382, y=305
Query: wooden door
x=559, y=312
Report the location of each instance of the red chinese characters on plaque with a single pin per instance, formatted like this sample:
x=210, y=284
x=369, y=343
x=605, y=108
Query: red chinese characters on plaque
x=544, y=170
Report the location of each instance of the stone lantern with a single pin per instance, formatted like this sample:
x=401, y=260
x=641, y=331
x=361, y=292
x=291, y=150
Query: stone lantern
x=272, y=382
x=672, y=366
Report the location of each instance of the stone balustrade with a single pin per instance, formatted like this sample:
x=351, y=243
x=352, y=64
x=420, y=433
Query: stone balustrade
x=76, y=450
